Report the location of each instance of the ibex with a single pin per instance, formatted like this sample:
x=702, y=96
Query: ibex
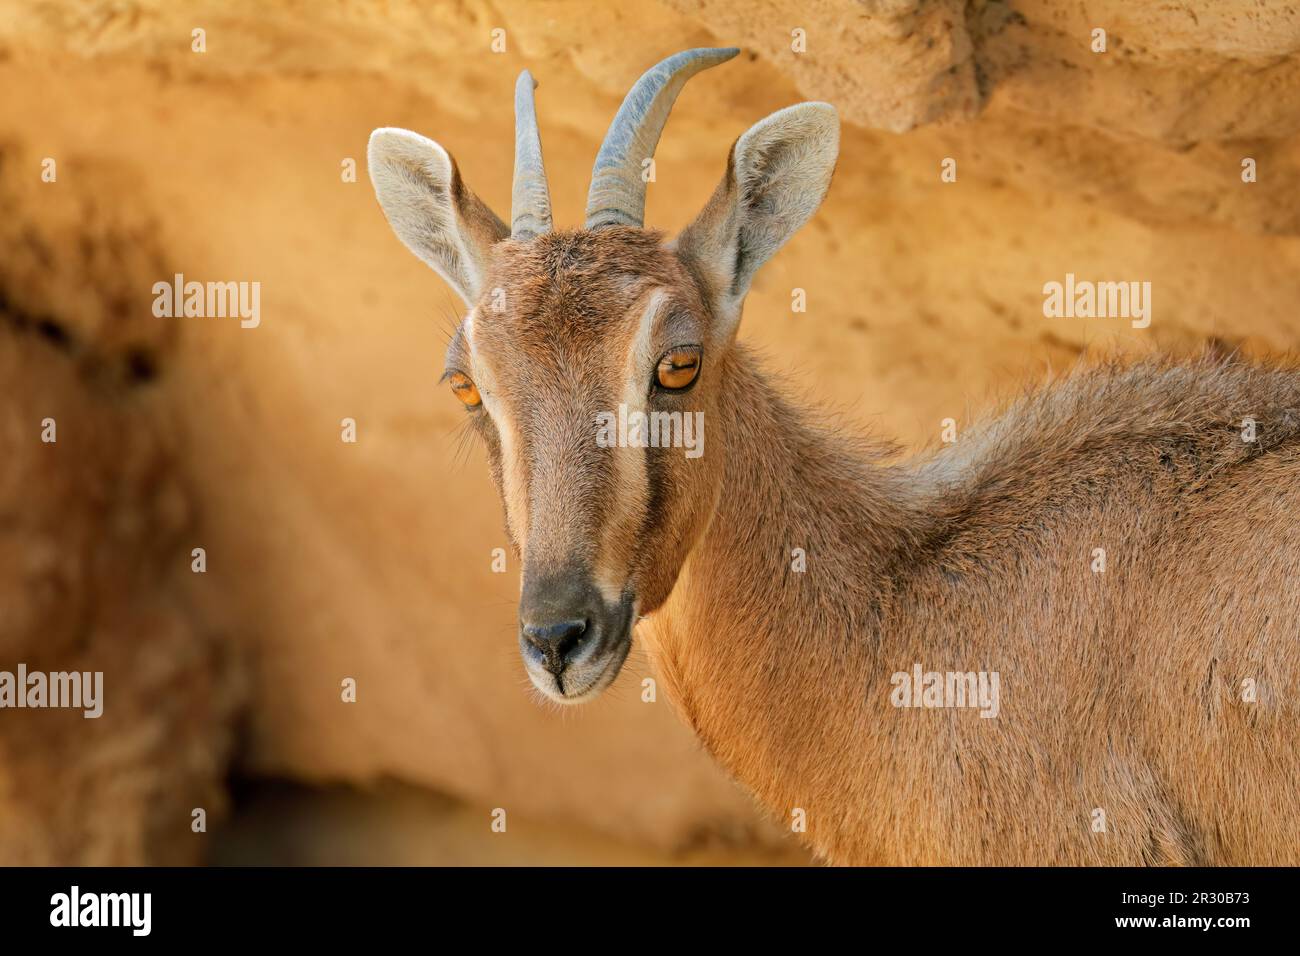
x=1116, y=557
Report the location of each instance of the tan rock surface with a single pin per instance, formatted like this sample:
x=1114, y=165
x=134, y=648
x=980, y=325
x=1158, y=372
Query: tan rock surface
x=95, y=537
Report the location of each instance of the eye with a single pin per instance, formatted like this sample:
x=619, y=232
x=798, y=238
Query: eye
x=464, y=389
x=678, y=368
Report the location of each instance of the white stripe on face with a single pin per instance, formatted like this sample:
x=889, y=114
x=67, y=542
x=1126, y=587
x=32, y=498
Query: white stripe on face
x=514, y=490
x=630, y=494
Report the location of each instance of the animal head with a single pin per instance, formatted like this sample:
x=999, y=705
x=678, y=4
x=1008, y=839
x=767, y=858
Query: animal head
x=590, y=360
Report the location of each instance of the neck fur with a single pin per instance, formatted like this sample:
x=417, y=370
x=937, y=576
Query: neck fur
x=770, y=664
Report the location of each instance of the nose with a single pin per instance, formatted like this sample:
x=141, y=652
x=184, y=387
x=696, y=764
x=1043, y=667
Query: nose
x=559, y=615
x=556, y=641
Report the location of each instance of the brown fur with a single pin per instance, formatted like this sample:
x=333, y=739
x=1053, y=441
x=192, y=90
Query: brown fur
x=1122, y=692
x=557, y=355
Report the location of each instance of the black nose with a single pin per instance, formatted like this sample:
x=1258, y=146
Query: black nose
x=557, y=641
x=559, y=615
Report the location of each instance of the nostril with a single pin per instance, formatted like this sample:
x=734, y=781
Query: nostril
x=569, y=641
x=556, y=641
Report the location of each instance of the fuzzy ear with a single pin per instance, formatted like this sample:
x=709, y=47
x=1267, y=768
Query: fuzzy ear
x=777, y=176
x=431, y=210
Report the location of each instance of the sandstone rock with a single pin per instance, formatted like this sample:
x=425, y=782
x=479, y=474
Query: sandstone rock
x=94, y=541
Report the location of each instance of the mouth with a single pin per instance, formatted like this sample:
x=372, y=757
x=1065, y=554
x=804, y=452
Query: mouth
x=588, y=673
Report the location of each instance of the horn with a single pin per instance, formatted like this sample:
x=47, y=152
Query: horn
x=617, y=194
x=530, y=200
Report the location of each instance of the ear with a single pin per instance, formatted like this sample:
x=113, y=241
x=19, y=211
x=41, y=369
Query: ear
x=431, y=210
x=777, y=176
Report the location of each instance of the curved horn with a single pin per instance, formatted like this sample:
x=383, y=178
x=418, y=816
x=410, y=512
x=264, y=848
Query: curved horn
x=617, y=194
x=530, y=200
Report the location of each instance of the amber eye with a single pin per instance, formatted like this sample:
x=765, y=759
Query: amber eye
x=465, y=389
x=678, y=368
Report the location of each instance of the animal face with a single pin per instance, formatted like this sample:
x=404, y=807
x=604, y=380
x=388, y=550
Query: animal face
x=592, y=363
x=588, y=368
